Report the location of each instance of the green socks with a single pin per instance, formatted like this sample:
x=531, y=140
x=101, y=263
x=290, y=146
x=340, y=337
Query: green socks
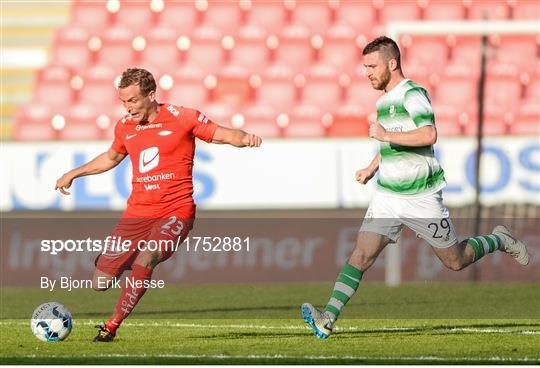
x=483, y=245
x=344, y=288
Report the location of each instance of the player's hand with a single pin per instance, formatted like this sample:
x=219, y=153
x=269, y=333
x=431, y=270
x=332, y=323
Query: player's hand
x=64, y=183
x=251, y=140
x=378, y=132
x=363, y=175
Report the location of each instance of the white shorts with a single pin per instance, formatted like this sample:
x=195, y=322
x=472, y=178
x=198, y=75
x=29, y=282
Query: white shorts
x=426, y=216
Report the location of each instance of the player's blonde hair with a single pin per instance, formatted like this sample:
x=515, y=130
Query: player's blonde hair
x=141, y=77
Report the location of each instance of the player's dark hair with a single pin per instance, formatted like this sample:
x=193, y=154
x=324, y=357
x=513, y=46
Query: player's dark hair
x=141, y=77
x=386, y=46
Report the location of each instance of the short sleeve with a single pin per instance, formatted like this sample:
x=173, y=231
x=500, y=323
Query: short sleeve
x=118, y=143
x=418, y=106
x=201, y=126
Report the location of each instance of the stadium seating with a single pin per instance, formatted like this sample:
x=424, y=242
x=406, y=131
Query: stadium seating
x=322, y=88
x=90, y=14
x=33, y=122
x=53, y=86
x=188, y=88
x=80, y=123
x=161, y=49
x=443, y=10
x=179, y=15
x=290, y=67
x=267, y=14
x=70, y=48
x=314, y=15
x=349, y=120
x=135, y=15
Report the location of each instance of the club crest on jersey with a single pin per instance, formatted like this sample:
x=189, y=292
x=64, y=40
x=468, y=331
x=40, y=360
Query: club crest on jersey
x=392, y=111
x=148, y=159
x=202, y=118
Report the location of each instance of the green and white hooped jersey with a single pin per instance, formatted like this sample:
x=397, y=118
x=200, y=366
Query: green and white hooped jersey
x=407, y=171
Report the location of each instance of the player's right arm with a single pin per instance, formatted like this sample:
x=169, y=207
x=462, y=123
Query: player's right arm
x=104, y=162
x=364, y=175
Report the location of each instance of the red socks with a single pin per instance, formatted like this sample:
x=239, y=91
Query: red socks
x=132, y=291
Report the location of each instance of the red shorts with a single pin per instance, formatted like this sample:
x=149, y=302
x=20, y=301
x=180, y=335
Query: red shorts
x=132, y=236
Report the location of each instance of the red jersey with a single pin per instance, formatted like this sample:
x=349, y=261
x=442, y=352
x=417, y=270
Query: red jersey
x=161, y=155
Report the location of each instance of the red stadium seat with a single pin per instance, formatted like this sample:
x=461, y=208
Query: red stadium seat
x=496, y=121
x=360, y=92
x=314, y=15
x=488, y=10
x=111, y=117
x=466, y=50
x=205, y=50
x=161, y=49
x=429, y=51
x=180, y=15
x=277, y=88
x=443, y=10
x=503, y=87
x=322, y=88
x=250, y=50
x=53, y=86
x=99, y=89
x=360, y=15
x=219, y=113
x=223, y=15
x=116, y=50
x=70, y=48
x=532, y=93
x=33, y=123
x=447, y=121
x=188, y=88
x=339, y=49
x=305, y=121
x=90, y=14
x=520, y=51
x=527, y=122
x=295, y=48
x=136, y=15
x=261, y=120
x=232, y=86
x=458, y=87
x=398, y=10
x=267, y=14
x=80, y=123
x=349, y=121
x=526, y=9
x=419, y=74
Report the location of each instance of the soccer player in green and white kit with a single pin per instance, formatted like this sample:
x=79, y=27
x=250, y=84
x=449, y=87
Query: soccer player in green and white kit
x=409, y=187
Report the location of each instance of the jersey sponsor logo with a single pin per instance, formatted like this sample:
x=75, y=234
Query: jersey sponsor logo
x=129, y=136
x=148, y=159
x=149, y=126
x=202, y=118
x=150, y=180
x=173, y=110
x=165, y=132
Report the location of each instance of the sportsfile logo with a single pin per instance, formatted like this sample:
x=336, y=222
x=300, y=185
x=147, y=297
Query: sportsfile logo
x=148, y=159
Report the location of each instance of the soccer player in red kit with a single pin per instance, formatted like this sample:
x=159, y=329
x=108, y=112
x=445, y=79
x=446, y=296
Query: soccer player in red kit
x=160, y=140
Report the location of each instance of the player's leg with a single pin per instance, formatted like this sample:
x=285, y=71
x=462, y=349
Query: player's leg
x=378, y=229
x=436, y=227
x=368, y=246
x=143, y=265
x=469, y=251
x=102, y=280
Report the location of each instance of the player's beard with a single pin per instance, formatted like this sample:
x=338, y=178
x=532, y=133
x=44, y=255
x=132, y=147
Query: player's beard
x=383, y=81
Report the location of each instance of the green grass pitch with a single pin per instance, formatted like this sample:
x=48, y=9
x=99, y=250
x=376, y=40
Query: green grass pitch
x=260, y=324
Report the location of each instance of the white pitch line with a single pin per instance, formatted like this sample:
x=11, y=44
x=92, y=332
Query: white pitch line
x=296, y=357
x=303, y=328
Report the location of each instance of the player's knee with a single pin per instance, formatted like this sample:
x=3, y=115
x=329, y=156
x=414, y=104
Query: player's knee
x=360, y=259
x=455, y=264
x=148, y=259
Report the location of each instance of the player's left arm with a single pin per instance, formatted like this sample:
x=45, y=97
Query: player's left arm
x=418, y=105
x=235, y=137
